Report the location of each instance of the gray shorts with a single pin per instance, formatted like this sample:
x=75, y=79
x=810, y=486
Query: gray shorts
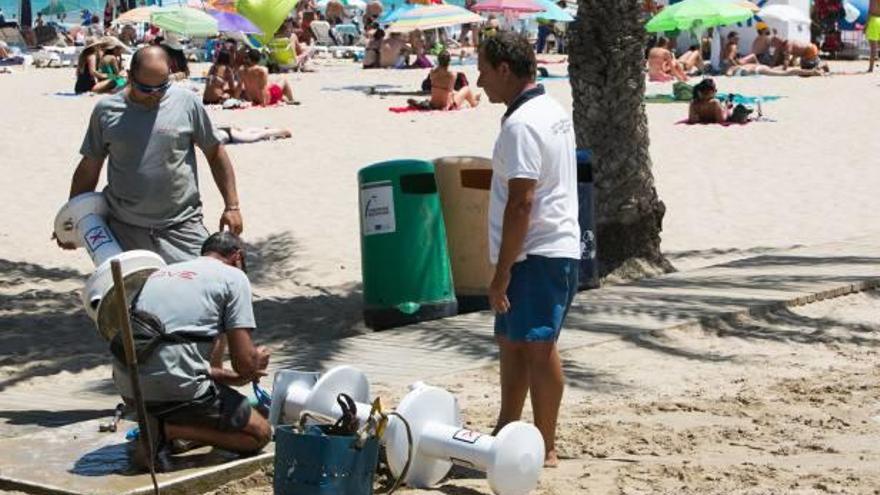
x=179, y=242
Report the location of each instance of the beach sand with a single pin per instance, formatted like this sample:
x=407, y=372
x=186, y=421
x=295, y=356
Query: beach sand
x=738, y=413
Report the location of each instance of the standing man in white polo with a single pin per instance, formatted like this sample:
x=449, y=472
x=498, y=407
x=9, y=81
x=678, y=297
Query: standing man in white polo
x=534, y=237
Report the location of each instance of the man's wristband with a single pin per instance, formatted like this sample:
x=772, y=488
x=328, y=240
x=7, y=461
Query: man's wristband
x=232, y=208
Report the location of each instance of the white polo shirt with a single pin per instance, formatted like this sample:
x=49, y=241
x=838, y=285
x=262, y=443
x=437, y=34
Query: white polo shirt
x=537, y=142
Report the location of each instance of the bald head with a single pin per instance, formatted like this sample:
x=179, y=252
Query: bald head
x=149, y=65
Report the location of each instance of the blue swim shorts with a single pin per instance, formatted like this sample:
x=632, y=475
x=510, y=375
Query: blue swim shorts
x=540, y=292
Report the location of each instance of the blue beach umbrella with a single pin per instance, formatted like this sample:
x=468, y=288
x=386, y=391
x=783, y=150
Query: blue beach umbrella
x=552, y=12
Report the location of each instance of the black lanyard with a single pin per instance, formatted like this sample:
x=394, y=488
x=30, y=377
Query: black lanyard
x=522, y=99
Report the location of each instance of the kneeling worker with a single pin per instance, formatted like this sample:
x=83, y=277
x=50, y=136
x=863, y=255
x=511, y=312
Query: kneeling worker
x=179, y=320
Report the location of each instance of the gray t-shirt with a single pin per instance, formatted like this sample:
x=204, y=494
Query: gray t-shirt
x=151, y=171
x=203, y=297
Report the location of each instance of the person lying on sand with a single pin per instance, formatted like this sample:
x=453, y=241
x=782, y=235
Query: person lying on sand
x=662, y=66
x=255, y=87
x=244, y=135
x=755, y=69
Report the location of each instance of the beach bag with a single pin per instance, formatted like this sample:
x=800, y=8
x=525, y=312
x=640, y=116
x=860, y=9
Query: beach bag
x=682, y=91
x=740, y=114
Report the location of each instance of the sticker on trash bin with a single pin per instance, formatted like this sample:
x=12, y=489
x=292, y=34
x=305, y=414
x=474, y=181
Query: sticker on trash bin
x=377, y=208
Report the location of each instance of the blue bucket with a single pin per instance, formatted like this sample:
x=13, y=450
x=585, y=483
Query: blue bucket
x=313, y=463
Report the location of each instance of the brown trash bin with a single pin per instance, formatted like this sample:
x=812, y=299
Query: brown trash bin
x=463, y=184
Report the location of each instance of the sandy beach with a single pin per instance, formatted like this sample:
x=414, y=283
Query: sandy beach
x=750, y=408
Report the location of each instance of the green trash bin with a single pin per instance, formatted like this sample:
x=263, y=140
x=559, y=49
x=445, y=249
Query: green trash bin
x=404, y=261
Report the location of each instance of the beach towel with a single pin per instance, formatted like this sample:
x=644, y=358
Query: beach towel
x=544, y=61
x=552, y=77
x=410, y=108
x=413, y=108
x=722, y=124
x=737, y=99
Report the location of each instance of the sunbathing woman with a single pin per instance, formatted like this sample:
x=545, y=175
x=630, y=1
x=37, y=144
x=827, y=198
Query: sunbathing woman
x=443, y=93
x=753, y=69
x=244, y=135
x=221, y=82
x=88, y=78
x=704, y=108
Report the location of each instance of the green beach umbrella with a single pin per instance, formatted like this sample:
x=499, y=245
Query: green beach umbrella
x=57, y=7
x=185, y=20
x=690, y=14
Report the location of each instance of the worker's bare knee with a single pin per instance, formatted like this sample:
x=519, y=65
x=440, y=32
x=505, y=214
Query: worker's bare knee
x=259, y=429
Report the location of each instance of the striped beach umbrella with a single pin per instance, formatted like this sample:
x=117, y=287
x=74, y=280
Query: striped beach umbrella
x=432, y=16
x=508, y=6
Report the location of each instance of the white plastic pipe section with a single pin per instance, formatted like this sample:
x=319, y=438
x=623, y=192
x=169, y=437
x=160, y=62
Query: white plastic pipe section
x=81, y=222
x=512, y=461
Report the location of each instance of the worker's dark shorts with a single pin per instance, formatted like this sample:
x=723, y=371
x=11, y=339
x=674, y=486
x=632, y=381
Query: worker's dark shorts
x=222, y=408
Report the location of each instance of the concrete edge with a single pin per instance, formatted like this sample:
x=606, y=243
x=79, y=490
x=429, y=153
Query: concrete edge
x=757, y=309
x=198, y=482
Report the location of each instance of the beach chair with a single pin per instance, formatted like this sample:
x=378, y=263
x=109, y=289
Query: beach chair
x=325, y=41
x=12, y=36
x=283, y=54
x=322, y=34
x=46, y=35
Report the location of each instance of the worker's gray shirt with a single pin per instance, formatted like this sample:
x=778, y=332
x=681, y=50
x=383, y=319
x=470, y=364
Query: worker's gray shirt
x=203, y=297
x=151, y=170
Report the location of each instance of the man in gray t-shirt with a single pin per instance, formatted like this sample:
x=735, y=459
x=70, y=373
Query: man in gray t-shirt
x=183, y=382
x=148, y=133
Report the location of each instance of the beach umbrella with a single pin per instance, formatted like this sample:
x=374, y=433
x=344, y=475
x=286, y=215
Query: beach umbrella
x=57, y=7
x=393, y=14
x=745, y=3
x=431, y=17
x=268, y=15
x=348, y=4
x=508, y=6
x=691, y=14
x=784, y=13
x=552, y=12
x=185, y=20
x=223, y=5
x=232, y=22
x=133, y=16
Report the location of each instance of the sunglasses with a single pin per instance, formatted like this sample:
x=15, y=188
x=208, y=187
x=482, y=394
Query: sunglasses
x=150, y=90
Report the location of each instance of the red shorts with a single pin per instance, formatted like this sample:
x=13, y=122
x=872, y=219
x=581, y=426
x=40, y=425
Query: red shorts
x=276, y=94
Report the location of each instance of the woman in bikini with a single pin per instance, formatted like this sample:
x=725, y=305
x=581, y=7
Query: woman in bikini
x=221, y=82
x=443, y=93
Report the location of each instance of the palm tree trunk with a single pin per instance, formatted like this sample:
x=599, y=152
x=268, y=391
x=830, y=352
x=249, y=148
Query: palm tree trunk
x=606, y=60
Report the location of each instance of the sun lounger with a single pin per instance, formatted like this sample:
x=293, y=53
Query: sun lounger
x=325, y=42
x=12, y=36
x=46, y=35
